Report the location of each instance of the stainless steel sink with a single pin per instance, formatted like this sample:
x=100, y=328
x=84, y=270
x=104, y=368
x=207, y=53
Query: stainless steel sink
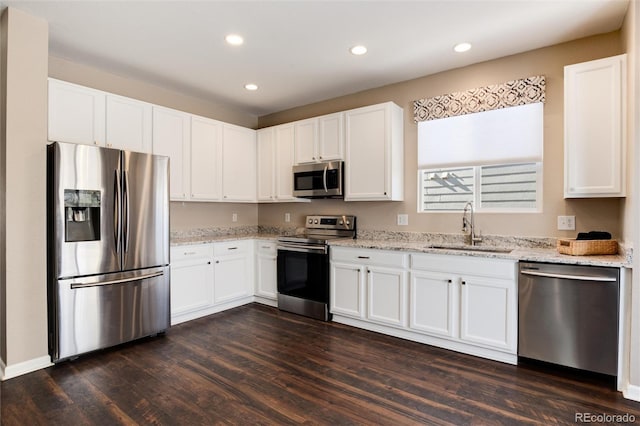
x=485, y=249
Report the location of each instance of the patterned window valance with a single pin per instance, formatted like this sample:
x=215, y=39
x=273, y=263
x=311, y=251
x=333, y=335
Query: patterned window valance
x=512, y=93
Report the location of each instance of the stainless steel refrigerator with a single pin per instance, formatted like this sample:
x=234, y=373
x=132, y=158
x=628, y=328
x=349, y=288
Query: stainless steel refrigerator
x=108, y=247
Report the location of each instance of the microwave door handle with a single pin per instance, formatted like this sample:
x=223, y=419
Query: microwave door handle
x=324, y=177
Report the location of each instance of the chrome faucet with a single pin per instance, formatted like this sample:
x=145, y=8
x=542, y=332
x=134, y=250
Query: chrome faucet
x=468, y=224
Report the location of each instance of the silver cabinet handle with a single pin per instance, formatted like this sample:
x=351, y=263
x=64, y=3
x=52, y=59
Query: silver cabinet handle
x=568, y=277
x=189, y=253
x=118, y=281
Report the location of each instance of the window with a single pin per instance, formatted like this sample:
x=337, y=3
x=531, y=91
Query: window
x=499, y=188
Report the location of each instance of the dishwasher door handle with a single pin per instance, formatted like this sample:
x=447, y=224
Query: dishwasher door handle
x=569, y=277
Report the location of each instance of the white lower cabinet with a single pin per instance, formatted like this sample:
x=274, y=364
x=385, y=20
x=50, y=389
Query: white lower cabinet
x=488, y=312
x=209, y=278
x=266, y=271
x=387, y=296
x=191, y=278
x=369, y=284
x=467, y=304
x=433, y=304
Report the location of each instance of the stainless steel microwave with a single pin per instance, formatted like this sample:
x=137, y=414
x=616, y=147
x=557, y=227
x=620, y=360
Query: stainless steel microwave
x=319, y=180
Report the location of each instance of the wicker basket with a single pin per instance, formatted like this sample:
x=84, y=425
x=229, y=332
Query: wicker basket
x=587, y=247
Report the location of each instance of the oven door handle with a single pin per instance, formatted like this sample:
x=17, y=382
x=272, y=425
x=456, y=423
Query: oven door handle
x=303, y=248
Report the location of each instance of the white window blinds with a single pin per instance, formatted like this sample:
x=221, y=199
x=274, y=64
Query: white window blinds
x=501, y=136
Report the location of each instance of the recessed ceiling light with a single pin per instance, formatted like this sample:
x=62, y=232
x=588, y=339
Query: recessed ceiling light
x=251, y=86
x=358, y=50
x=462, y=47
x=234, y=39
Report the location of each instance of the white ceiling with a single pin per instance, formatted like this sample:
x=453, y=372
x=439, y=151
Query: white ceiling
x=297, y=51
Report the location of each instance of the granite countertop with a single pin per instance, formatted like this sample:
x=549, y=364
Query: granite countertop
x=207, y=239
x=532, y=254
x=521, y=248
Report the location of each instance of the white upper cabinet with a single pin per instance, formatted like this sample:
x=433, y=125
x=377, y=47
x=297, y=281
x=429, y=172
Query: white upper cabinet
x=128, y=124
x=319, y=139
x=206, y=159
x=83, y=115
x=239, y=164
x=374, y=163
x=275, y=163
x=306, y=141
x=171, y=137
x=284, y=163
x=595, y=128
x=266, y=164
x=76, y=114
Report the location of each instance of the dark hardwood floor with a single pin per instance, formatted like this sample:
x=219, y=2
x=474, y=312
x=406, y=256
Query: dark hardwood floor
x=257, y=365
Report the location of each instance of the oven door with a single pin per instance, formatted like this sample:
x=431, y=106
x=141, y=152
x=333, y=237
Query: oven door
x=303, y=272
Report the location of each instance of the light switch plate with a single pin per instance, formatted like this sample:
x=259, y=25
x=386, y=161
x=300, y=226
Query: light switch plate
x=403, y=219
x=566, y=223
x=234, y=217
x=287, y=217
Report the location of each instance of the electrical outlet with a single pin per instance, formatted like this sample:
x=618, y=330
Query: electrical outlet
x=403, y=219
x=566, y=223
x=234, y=217
x=287, y=217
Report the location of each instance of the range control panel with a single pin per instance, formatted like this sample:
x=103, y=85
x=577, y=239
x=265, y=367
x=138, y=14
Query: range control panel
x=343, y=222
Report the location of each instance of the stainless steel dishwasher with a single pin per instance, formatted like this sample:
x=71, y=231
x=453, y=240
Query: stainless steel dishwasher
x=568, y=315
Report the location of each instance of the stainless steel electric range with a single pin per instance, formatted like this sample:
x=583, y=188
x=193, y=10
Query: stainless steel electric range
x=303, y=265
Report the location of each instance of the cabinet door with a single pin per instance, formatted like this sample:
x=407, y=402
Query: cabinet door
x=432, y=303
x=206, y=159
x=488, y=312
x=191, y=285
x=331, y=137
x=386, y=296
x=306, y=140
x=267, y=277
x=284, y=162
x=171, y=137
x=76, y=114
x=366, y=168
x=595, y=128
x=266, y=164
x=239, y=164
x=128, y=124
x=231, y=274
x=347, y=290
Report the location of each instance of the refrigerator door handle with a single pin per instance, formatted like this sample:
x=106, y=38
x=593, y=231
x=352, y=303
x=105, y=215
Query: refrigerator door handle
x=125, y=201
x=116, y=210
x=118, y=281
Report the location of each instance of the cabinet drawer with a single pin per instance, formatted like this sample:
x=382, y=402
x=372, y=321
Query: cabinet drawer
x=186, y=253
x=267, y=247
x=369, y=257
x=230, y=247
x=465, y=265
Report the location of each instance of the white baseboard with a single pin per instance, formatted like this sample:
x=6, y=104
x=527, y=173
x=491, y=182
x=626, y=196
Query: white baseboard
x=15, y=370
x=632, y=392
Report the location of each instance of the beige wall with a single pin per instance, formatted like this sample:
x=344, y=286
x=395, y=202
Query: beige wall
x=23, y=143
x=205, y=215
x=603, y=214
x=630, y=36
x=183, y=215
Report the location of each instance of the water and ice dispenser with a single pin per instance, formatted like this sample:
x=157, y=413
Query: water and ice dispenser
x=82, y=215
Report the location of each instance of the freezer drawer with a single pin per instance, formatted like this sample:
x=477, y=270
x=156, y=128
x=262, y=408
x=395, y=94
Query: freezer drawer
x=105, y=310
x=568, y=315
